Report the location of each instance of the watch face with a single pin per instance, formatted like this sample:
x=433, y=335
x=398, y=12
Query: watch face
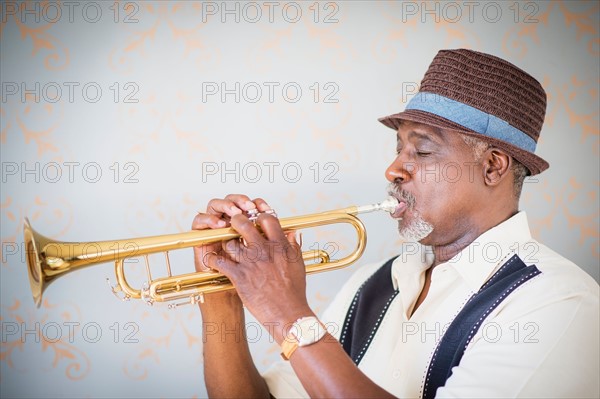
x=308, y=330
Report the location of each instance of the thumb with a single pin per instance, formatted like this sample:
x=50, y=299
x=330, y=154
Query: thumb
x=222, y=264
x=291, y=238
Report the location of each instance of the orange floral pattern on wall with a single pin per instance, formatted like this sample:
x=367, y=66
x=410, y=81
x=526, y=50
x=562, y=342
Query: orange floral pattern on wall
x=366, y=57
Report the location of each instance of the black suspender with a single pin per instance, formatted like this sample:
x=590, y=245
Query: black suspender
x=374, y=297
x=370, y=304
x=465, y=325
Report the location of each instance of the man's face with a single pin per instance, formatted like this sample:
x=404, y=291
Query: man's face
x=437, y=179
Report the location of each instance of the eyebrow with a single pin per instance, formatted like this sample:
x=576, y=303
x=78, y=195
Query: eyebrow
x=423, y=136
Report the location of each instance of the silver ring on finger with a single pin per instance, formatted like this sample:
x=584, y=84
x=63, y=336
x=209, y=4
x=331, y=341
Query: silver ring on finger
x=206, y=267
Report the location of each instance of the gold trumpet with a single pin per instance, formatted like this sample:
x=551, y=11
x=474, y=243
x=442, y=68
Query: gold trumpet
x=48, y=259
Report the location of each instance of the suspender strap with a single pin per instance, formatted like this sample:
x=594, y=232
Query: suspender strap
x=452, y=346
x=367, y=310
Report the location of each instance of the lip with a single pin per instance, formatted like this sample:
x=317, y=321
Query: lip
x=400, y=208
x=399, y=211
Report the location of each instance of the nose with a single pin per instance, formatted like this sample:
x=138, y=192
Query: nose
x=399, y=171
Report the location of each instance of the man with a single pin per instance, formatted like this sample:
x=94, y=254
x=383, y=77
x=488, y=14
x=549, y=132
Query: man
x=477, y=309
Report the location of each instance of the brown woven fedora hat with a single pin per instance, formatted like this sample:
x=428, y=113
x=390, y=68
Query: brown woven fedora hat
x=483, y=96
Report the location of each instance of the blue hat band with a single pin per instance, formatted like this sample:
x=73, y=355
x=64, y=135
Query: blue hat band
x=471, y=118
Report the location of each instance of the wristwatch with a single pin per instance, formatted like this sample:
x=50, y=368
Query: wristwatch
x=305, y=331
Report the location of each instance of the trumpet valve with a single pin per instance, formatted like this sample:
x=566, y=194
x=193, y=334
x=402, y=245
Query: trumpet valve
x=193, y=299
x=252, y=214
x=146, y=294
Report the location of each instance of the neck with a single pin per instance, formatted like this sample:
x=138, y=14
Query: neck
x=444, y=252
x=469, y=233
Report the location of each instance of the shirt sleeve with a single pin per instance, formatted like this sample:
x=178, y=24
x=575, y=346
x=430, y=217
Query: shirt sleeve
x=283, y=382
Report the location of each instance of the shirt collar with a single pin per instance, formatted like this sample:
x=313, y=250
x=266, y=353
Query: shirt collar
x=475, y=264
x=414, y=259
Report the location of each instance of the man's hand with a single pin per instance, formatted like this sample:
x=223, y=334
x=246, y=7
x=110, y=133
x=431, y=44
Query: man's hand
x=226, y=356
x=266, y=266
x=218, y=215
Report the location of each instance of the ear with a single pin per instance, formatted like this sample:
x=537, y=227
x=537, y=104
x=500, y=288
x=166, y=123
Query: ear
x=496, y=164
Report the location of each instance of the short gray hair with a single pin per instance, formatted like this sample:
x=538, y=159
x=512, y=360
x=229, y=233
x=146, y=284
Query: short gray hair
x=479, y=146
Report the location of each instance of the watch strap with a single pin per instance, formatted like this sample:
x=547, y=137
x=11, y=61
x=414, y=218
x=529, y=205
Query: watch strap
x=292, y=342
x=289, y=346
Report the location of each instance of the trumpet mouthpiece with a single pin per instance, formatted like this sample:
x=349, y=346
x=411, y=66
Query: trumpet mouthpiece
x=388, y=205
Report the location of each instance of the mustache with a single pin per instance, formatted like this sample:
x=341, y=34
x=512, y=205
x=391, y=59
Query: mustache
x=402, y=195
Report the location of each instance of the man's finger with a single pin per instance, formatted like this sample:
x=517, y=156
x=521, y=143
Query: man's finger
x=204, y=221
x=247, y=229
x=294, y=237
x=221, y=264
x=231, y=205
x=271, y=227
x=261, y=205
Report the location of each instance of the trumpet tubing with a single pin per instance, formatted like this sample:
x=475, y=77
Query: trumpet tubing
x=48, y=259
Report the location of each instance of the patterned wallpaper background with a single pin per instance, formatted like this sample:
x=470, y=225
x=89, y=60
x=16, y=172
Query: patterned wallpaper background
x=123, y=118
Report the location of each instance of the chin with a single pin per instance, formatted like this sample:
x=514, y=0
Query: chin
x=415, y=230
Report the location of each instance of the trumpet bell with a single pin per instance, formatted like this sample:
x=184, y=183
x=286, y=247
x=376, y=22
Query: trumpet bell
x=37, y=278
